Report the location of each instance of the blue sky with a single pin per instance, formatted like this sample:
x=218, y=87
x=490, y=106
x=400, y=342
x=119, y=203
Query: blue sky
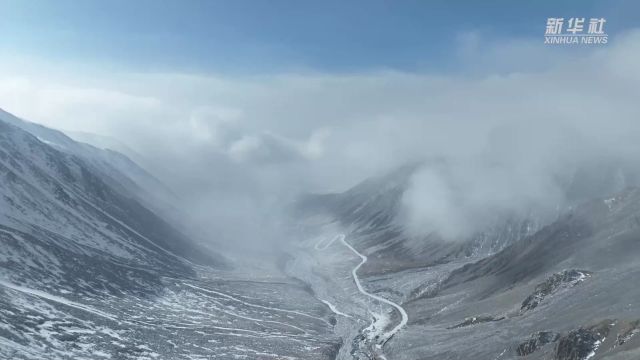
x=261, y=36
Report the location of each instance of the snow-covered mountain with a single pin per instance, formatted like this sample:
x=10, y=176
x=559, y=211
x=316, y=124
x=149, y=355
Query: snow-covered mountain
x=91, y=268
x=530, y=287
x=85, y=202
x=96, y=263
x=372, y=211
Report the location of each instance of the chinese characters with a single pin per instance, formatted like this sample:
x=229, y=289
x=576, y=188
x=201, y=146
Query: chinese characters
x=572, y=31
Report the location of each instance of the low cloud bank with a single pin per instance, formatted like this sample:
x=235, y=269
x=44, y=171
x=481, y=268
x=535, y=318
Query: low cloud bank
x=236, y=149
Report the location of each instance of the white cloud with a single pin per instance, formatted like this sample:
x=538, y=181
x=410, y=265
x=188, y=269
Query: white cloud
x=509, y=127
x=215, y=125
x=271, y=148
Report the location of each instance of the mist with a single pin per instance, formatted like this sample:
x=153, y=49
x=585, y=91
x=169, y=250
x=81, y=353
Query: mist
x=239, y=150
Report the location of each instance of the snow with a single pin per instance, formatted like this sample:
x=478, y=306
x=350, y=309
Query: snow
x=610, y=202
x=57, y=299
x=596, y=345
x=254, y=305
x=50, y=143
x=334, y=309
x=320, y=246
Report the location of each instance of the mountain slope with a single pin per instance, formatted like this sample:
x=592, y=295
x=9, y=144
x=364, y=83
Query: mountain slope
x=50, y=194
x=90, y=270
x=520, y=289
x=372, y=211
x=141, y=185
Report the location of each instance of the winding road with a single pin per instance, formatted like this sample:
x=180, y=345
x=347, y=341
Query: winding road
x=405, y=318
x=354, y=272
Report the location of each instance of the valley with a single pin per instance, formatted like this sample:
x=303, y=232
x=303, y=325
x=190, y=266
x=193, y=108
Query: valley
x=92, y=267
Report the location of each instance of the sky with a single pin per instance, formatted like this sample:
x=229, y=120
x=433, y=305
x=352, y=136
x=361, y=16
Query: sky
x=240, y=106
x=260, y=36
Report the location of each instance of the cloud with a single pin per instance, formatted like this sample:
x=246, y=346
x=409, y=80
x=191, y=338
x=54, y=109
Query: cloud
x=215, y=125
x=271, y=148
x=512, y=129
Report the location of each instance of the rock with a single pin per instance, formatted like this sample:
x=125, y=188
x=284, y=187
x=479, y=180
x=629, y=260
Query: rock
x=536, y=341
x=582, y=343
x=551, y=285
x=627, y=331
x=477, y=320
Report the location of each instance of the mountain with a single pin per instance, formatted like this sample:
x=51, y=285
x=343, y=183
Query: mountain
x=530, y=287
x=90, y=267
x=372, y=212
x=97, y=262
x=129, y=174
